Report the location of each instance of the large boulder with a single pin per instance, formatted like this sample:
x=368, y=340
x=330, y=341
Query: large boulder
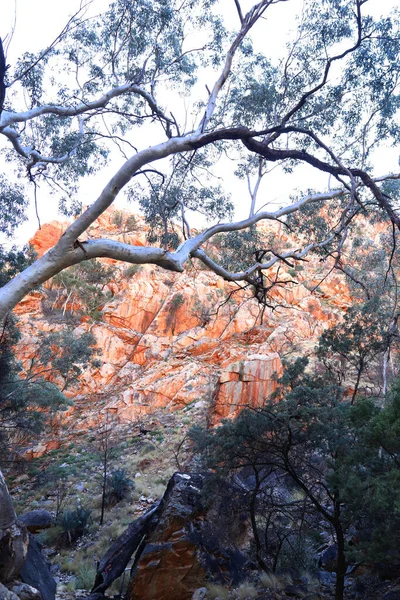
x=36, y=572
x=13, y=537
x=113, y=563
x=25, y=591
x=36, y=520
x=328, y=558
x=392, y=595
x=181, y=553
x=6, y=594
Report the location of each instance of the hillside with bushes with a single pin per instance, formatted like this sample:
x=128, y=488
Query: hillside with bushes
x=145, y=366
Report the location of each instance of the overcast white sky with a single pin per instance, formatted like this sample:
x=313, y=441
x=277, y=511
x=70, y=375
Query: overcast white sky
x=36, y=24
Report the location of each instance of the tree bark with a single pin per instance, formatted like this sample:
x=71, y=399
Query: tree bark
x=359, y=373
x=340, y=563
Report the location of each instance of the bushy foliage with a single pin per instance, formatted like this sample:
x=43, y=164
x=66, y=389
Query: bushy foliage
x=66, y=353
x=13, y=261
x=339, y=463
x=118, y=487
x=238, y=248
x=73, y=524
x=366, y=332
x=27, y=399
x=81, y=287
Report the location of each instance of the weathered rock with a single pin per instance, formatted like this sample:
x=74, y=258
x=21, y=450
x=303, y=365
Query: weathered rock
x=248, y=382
x=13, y=537
x=326, y=579
x=296, y=591
x=113, y=564
x=26, y=592
x=36, y=572
x=181, y=554
x=200, y=594
x=36, y=520
x=328, y=558
x=13, y=550
x=6, y=594
x=392, y=595
x=169, y=339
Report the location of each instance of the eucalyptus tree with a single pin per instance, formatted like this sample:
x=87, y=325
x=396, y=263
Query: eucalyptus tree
x=331, y=99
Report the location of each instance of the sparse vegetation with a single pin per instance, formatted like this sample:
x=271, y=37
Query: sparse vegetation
x=130, y=271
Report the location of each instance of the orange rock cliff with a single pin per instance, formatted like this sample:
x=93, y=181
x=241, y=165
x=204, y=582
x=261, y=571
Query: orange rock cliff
x=171, y=339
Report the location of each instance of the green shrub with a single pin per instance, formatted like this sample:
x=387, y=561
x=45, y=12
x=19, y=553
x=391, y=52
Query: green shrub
x=85, y=577
x=118, y=486
x=131, y=270
x=131, y=223
x=117, y=218
x=177, y=301
x=73, y=524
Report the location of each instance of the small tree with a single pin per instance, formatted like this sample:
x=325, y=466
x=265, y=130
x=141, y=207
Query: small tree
x=311, y=440
x=27, y=398
x=105, y=443
x=363, y=336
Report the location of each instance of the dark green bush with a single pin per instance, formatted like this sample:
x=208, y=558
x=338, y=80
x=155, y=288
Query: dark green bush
x=118, y=486
x=73, y=523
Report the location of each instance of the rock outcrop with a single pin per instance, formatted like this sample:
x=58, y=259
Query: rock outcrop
x=177, y=544
x=170, y=339
x=36, y=573
x=36, y=520
x=182, y=553
x=13, y=537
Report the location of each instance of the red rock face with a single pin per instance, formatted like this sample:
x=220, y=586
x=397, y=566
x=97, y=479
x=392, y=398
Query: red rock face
x=170, y=339
x=182, y=550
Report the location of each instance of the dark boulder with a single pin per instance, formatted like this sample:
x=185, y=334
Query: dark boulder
x=296, y=591
x=328, y=559
x=13, y=537
x=392, y=595
x=326, y=579
x=181, y=554
x=36, y=572
x=113, y=564
x=25, y=591
x=388, y=570
x=36, y=520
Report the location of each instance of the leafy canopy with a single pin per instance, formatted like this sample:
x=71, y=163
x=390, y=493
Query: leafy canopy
x=129, y=81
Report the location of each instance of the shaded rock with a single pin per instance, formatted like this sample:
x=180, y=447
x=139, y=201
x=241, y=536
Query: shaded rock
x=113, y=564
x=388, y=570
x=13, y=550
x=200, y=594
x=13, y=537
x=392, y=595
x=296, y=591
x=36, y=520
x=325, y=578
x=6, y=594
x=180, y=554
x=26, y=592
x=328, y=558
x=36, y=572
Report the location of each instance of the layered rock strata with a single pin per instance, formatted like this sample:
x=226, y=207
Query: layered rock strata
x=170, y=339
